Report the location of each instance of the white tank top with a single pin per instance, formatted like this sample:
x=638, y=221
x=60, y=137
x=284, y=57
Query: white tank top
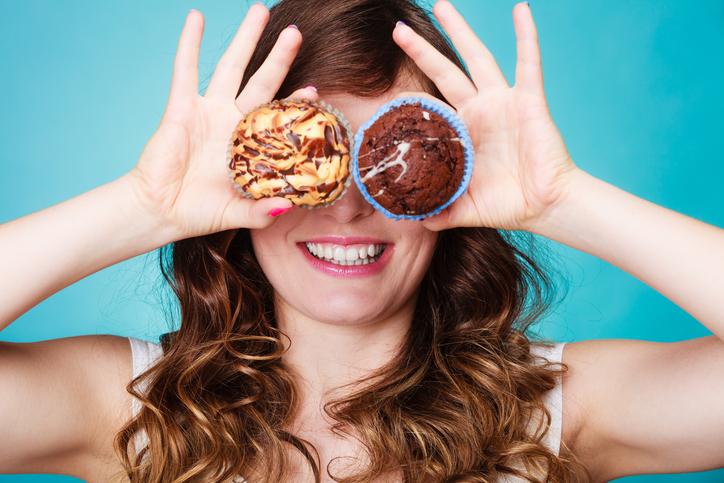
x=145, y=354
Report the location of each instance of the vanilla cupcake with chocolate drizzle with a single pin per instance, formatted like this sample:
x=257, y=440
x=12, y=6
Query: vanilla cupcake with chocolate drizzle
x=299, y=150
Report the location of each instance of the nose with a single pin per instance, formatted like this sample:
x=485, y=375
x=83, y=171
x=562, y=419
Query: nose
x=352, y=206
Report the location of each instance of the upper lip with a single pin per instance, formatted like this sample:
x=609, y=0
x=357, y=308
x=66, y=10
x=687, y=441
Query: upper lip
x=345, y=240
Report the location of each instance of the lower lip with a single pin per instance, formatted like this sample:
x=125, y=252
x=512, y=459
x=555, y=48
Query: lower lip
x=351, y=271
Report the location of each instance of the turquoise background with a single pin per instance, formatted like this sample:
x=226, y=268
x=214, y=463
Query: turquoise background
x=634, y=86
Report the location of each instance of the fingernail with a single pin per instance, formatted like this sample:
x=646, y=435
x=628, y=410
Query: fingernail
x=400, y=23
x=279, y=211
x=527, y=4
x=292, y=26
x=192, y=10
x=312, y=88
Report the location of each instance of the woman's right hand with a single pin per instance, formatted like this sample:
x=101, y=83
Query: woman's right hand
x=180, y=187
x=181, y=182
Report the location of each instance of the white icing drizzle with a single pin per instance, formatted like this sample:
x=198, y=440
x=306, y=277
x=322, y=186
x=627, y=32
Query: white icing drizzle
x=402, y=149
x=378, y=193
x=426, y=115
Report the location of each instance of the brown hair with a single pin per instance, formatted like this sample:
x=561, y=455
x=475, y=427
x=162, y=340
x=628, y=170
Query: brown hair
x=461, y=402
x=348, y=45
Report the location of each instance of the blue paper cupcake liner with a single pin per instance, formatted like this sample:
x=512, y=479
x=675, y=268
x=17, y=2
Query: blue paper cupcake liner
x=455, y=122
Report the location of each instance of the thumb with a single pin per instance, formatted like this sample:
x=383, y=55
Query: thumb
x=256, y=214
x=439, y=222
x=462, y=212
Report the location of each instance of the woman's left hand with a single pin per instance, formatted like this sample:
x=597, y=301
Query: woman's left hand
x=522, y=167
x=524, y=179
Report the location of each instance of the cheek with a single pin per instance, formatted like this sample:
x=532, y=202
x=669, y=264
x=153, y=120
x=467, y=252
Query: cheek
x=260, y=239
x=418, y=255
x=272, y=240
x=261, y=242
x=422, y=240
x=429, y=240
x=428, y=249
x=271, y=251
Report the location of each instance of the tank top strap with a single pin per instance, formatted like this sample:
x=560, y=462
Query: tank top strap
x=145, y=354
x=553, y=399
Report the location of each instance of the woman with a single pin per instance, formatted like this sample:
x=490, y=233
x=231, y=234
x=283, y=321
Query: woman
x=300, y=375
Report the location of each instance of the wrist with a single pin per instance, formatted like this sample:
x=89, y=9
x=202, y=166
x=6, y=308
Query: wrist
x=593, y=216
x=146, y=228
x=572, y=204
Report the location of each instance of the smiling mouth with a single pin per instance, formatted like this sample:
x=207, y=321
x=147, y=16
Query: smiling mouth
x=346, y=255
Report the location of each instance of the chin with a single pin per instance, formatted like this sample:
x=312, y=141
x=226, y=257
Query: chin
x=352, y=307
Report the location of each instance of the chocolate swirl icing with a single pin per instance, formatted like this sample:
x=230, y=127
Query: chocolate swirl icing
x=292, y=149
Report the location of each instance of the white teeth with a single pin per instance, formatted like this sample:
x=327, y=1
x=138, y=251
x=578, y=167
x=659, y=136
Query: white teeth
x=346, y=256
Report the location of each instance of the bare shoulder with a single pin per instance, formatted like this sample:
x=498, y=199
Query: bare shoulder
x=64, y=400
x=635, y=407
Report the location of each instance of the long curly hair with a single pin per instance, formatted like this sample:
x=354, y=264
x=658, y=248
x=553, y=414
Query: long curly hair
x=461, y=402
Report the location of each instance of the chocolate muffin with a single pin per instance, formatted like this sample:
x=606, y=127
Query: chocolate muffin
x=411, y=160
x=297, y=150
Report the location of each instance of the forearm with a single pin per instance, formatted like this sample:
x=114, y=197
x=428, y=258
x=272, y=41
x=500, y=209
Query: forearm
x=46, y=251
x=680, y=257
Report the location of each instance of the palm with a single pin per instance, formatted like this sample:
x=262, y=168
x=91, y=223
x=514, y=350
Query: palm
x=182, y=166
x=520, y=158
x=181, y=178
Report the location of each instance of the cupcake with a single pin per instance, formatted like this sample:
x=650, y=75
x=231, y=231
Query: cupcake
x=412, y=158
x=298, y=150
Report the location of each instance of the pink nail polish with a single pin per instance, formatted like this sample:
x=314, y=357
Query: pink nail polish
x=279, y=211
x=312, y=88
x=292, y=26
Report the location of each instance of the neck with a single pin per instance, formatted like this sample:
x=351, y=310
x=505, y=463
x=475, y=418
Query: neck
x=328, y=356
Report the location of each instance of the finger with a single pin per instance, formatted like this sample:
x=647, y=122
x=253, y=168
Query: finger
x=230, y=69
x=309, y=93
x=185, y=80
x=439, y=222
x=265, y=83
x=528, y=70
x=245, y=213
x=461, y=213
x=452, y=82
x=481, y=63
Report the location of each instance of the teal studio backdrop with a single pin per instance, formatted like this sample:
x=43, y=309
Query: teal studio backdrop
x=634, y=86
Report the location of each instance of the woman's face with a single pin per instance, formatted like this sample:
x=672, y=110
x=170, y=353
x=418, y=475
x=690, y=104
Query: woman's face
x=391, y=256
